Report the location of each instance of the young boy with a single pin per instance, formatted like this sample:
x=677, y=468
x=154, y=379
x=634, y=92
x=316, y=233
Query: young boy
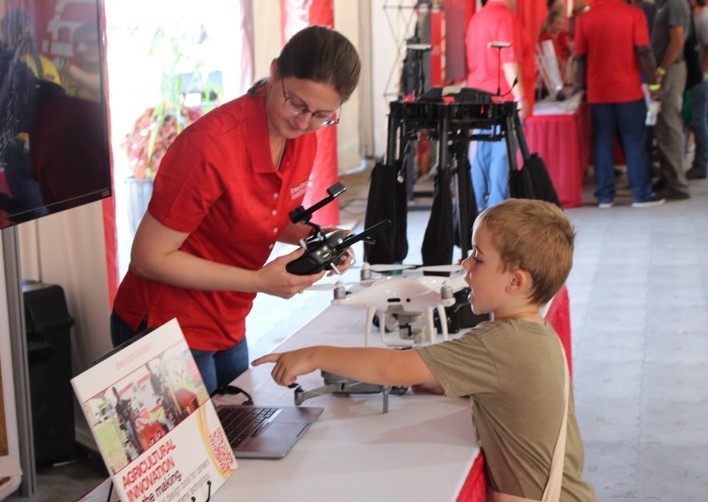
x=512, y=367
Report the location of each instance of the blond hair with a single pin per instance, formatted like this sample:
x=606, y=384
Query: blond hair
x=534, y=236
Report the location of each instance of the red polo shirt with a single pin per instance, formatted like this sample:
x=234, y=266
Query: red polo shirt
x=495, y=22
x=218, y=183
x=560, y=44
x=608, y=34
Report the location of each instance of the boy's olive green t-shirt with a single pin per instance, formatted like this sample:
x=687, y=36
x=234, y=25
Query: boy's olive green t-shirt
x=513, y=372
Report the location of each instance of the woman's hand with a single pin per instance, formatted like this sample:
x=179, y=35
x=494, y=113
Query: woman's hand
x=274, y=279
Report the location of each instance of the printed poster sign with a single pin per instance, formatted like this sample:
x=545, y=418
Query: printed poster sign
x=153, y=421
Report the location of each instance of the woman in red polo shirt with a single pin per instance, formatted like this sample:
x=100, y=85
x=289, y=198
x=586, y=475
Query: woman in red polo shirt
x=222, y=199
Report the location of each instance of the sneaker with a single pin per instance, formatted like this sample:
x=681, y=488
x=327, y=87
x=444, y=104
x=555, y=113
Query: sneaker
x=694, y=174
x=606, y=205
x=659, y=185
x=670, y=193
x=652, y=201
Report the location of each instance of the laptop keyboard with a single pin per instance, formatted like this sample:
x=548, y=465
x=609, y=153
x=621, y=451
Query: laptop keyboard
x=242, y=423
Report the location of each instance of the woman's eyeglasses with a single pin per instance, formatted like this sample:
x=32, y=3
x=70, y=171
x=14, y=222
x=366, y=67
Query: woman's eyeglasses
x=318, y=118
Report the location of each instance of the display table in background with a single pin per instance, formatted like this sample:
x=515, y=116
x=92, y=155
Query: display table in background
x=559, y=131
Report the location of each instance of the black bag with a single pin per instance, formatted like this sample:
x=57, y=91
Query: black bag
x=543, y=188
x=438, y=241
x=464, y=205
x=532, y=181
x=387, y=200
x=520, y=185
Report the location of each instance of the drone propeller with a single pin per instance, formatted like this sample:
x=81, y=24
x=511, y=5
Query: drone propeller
x=450, y=269
x=330, y=286
x=386, y=267
x=394, y=267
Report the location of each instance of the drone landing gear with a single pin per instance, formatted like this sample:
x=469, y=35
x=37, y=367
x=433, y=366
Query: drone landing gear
x=340, y=386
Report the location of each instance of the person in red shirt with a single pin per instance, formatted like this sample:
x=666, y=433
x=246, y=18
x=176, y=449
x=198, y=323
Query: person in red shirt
x=221, y=200
x=612, y=47
x=553, y=29
x=556, y=6
x=497, y=71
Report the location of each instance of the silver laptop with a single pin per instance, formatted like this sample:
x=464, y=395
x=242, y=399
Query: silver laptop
x=265, y=432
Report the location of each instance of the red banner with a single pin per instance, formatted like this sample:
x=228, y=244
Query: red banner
x=296, y=15
x=437, y=40
x=531, y=13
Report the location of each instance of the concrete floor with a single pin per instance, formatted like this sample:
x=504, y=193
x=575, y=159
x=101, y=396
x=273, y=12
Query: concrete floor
x=639, y=312
x=639, y=306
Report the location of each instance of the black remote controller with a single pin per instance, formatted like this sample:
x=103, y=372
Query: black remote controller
x=324, y=251
x=320, y=253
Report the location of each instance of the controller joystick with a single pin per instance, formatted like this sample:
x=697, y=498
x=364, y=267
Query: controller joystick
x=319, y=254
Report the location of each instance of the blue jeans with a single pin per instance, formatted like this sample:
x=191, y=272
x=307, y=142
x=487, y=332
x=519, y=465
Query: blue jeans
x=121, y=332
x=699, y=124
x=217, y=368
x=220, y=367
x=490, y=173
x=628, y=119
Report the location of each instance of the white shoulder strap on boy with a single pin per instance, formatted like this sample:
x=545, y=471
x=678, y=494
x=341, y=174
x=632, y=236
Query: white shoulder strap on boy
x=555, y=477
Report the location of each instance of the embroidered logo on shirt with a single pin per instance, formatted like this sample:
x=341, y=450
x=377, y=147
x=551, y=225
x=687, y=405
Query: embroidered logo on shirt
x=298, y=191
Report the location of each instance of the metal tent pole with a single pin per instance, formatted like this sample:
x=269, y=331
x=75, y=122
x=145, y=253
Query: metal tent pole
x=18, y=341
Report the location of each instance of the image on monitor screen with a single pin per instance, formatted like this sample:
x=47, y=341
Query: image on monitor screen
x=54, y=151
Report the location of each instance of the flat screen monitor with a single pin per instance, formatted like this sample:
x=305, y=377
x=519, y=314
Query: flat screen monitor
x=54, y=151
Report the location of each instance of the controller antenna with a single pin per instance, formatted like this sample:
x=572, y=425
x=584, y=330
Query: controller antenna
x=302, y=215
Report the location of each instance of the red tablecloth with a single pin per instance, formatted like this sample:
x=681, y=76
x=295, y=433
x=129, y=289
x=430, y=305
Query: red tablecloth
x=559, y=317
x=475, y=487
x=563, y=141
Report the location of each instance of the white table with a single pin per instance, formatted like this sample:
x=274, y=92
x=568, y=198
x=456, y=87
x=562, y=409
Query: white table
x=421, y=450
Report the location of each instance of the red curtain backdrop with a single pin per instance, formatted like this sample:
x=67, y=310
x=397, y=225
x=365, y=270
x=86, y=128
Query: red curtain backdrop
x=296, y=15
x=531, y=13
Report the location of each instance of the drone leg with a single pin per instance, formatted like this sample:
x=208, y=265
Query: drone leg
x=382, y=324
x=443, y=321
x=431, y=324
x=370, y=312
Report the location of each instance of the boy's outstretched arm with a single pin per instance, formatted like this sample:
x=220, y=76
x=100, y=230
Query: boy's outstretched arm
x=370, y=365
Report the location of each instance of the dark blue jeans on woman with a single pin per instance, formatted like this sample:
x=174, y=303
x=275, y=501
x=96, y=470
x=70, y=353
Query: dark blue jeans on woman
x=218, y=367
x=628, y=119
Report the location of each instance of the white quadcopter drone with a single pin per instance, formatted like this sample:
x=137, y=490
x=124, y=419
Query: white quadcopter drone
x=401, y=302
